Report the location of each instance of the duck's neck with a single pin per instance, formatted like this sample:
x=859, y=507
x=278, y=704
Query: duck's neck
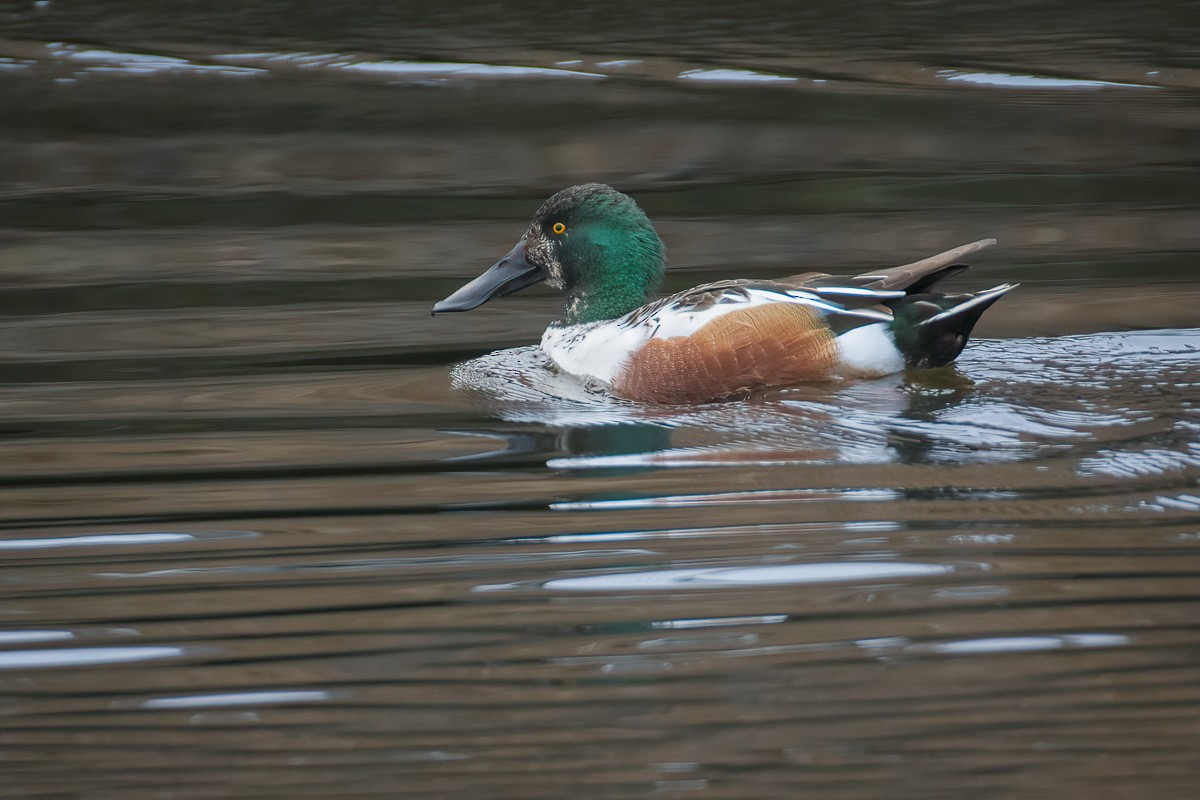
x=621, y=273
x=604, y=302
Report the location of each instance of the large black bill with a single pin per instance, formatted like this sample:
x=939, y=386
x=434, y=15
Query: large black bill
x=510, y=274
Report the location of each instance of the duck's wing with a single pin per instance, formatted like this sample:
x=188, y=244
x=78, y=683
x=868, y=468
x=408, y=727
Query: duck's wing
x=698, y=298
x=841, y=307
x=915, y=278
x=920, y=276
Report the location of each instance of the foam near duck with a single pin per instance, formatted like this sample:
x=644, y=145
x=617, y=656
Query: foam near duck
x=720, y=339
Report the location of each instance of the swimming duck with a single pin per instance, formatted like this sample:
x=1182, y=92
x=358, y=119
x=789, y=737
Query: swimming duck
x=721, y=339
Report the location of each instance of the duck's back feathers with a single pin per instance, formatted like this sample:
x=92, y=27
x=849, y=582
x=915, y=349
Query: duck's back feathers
x=684, y=312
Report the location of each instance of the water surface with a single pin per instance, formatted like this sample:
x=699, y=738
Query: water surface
x=269, y=530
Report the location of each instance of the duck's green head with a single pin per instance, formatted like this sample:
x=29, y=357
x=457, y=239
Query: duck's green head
x=590, y=241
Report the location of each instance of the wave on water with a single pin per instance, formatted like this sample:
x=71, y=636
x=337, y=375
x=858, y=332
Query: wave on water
x=1003, y=401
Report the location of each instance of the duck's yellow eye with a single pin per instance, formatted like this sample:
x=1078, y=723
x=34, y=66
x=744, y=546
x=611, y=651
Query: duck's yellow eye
x=559, y=228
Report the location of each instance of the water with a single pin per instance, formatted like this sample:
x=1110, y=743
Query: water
x=269, y=530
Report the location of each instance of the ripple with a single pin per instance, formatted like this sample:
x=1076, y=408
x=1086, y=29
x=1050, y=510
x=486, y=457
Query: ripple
x=732, y=498
x=1181, y=502
x=119, y=63
x=261, y=698
x=97, y=61
x=118, y=539
x=22, y=637
x=719, y=622
x=438, y=69
x=685, y=457
x=1023, y=644
x=733, y=76
x=410, y=70
x=1141, y=463
x=596, y=537
x=15, y=63
x=383, y=564
x=1005, y=405
x=1013, y=81
x=95, y=540
x=727, y=577
x=84, y=656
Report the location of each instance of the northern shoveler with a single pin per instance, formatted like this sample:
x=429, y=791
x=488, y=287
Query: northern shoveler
x=720, y=339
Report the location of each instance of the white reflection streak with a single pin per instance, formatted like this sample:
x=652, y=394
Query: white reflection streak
x=237, y=699
x=1007, y=81
x=110, y=56
x=879, y=526
x=464, y=70
x=20, y=637
x=730, y=498
x=719, y=622
x=733, y=76
x=1183, y=502
x=409, y=68
x=682, y=457
x=110, y=61
x=667, y=660
x=384, y=564
x=724, y=577
x=83, y=656
x=95, y=540
x=1024, y=644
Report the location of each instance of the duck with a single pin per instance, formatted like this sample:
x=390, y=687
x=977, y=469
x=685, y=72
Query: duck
x=725, y=339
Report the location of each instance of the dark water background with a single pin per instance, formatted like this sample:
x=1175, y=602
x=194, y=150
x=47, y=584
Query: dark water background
x=260, y=538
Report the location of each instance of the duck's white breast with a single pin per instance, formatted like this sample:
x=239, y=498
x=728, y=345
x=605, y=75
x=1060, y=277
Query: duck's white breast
x=597, y=350
x=600, y=349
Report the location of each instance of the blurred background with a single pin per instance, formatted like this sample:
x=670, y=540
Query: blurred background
x=262, y=537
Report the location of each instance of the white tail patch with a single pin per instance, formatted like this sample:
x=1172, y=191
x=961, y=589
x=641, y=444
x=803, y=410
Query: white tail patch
x=868, y=351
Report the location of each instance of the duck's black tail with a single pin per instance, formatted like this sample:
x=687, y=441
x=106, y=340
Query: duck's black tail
x=930, y=330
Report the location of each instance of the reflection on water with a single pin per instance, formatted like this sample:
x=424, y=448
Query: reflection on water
x=269, y=530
